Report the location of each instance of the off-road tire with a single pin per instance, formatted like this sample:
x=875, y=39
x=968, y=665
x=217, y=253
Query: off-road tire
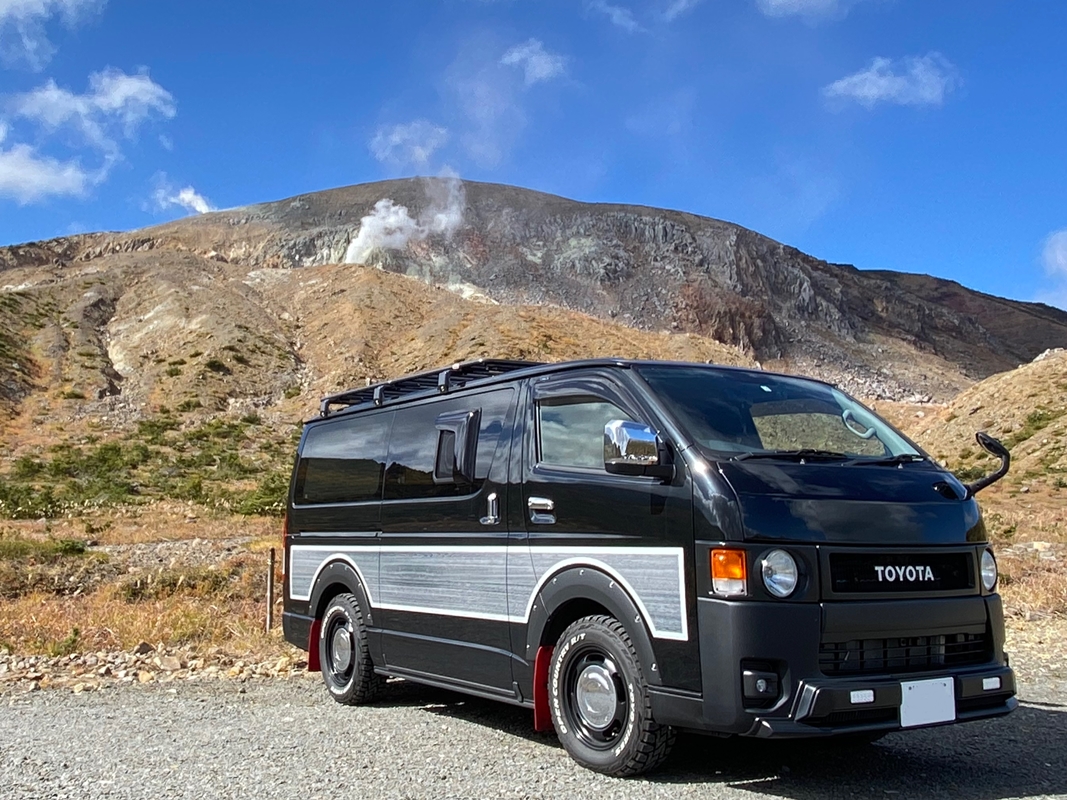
x=632, y=743
x=353, y=683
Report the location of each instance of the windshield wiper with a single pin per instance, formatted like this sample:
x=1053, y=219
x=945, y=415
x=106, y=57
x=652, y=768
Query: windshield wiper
x=795, y=455
x=903, y=458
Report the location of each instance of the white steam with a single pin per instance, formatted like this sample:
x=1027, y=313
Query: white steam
x=390, y=227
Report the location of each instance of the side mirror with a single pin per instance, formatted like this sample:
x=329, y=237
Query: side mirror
x=992, y=446
x=631, y=448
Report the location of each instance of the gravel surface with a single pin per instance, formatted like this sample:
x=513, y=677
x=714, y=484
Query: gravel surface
x=286, y=739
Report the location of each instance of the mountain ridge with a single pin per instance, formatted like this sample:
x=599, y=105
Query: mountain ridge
x=880, y=333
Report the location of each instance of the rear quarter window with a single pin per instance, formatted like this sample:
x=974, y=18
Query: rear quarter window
x=343, y=461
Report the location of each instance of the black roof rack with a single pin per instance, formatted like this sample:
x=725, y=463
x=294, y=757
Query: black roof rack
x=443, y=380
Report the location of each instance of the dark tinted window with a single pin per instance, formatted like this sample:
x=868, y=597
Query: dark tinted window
x=572, y=430
x=416, y=442
x=343, y=461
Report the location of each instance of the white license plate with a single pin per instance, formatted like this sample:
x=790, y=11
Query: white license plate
x=927, y=702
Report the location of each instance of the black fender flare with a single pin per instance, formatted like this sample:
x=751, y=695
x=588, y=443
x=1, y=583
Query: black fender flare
x=590, y=583
x=340, y=572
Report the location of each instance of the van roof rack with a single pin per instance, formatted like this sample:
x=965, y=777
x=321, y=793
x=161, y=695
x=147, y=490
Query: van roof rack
x=442, y=379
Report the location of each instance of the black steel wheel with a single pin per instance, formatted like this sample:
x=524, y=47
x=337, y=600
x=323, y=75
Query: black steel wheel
x=599, y=700
x=344, y=656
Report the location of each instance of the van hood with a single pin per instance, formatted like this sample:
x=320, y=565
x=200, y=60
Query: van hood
x=849, y=504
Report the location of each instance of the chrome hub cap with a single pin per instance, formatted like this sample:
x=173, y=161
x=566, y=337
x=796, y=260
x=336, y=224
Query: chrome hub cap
x=341, y=649
x=595, y=695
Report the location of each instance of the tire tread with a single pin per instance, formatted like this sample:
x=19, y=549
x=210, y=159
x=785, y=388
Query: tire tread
x=654, y=741
x=368, y=685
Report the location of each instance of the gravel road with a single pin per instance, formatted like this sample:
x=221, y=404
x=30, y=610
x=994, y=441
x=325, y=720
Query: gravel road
x=286, y=739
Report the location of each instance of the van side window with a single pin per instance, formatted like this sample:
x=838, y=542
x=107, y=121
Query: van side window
x=423, y=448
x=329, y=471
x=571, y=430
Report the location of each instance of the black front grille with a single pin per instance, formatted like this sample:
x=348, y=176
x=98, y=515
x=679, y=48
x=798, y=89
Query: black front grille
x=903, y=654
x=901, y=572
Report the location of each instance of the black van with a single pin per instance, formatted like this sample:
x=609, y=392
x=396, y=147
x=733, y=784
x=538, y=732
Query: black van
x=632, y=548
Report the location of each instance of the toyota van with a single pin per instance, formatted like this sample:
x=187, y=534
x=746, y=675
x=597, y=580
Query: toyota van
x=636, y=548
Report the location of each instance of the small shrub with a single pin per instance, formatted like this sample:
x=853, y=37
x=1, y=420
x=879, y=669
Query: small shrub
x=73, y=394
x=153, y=431
x=66, y=646
x=26, y=467
x=291, y=392
x=217, y=366
x=173, y=372
x=267, y=499
x=189, y=404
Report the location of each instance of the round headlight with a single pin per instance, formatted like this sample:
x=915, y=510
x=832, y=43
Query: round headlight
x=779, y=573
x=989, y=570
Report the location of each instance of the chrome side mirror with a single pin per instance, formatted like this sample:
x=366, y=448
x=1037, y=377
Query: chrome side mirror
x=631, y=448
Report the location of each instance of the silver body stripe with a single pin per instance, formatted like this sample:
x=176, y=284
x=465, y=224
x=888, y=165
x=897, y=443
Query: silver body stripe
x=497, y=582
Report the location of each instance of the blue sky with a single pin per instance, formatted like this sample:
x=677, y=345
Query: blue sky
x=891, y=134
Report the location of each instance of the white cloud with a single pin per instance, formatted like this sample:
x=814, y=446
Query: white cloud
x=22, y=28
x=620, y=17
x=805, y=8
x=27, y=177
x=166, y=196
x=912, y=81
x=116, y=104
x=413, y=143
x=537, y=63
x=1054, y=254
x=1054, y=260
x=679, y=7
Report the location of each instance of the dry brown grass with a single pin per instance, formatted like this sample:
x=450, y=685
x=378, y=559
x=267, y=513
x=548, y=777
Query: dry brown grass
x=104, y=620
x=200, y=607
x=1031, y=586
x=218, y=604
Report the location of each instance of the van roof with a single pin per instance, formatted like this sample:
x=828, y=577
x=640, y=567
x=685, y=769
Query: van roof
x=481, y=372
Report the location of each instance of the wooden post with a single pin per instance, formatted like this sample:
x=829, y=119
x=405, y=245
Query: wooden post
x=270, y=593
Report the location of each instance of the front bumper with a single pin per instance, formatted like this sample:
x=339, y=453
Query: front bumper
x=827, y=708
x=786, y=638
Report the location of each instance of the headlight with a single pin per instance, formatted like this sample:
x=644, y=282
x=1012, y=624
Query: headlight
x=780, y=573
x=989, y=570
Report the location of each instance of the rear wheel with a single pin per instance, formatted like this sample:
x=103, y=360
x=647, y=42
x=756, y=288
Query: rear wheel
x=599, y=700
x=344, y=656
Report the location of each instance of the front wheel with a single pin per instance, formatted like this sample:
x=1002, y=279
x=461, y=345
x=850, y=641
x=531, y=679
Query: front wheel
x=344, y=656
x=599, y=700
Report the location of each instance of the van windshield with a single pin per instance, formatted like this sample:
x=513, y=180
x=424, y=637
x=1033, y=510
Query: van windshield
x=740, y=415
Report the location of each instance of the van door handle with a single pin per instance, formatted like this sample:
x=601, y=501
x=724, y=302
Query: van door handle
x=542, y=511
x=492, y=515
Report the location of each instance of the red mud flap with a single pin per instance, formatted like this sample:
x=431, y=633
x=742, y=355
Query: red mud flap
x=313, y=648
x=542, y=714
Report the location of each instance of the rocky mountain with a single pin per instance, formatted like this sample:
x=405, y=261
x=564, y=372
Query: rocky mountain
x=881, y=334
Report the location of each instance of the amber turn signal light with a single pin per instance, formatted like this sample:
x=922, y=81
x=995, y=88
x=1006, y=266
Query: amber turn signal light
x=728, y=572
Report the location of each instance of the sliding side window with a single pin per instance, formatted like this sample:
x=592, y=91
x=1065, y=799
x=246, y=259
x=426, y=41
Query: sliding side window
x=445, y=448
